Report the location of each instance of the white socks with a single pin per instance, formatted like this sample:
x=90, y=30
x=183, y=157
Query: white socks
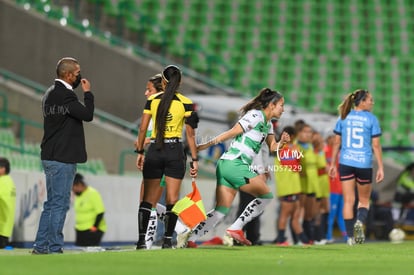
x=213, y=218
x=151, y=229
x=180, y=227
x=161, y=209
x=252, y=210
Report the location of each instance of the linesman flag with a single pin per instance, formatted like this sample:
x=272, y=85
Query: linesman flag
x=190, y=209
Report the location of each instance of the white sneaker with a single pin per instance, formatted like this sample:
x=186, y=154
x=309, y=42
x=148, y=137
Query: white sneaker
x=359, y=233
x=299, y=243
x=227, y=240
x=321, y=242
x=351, y=241
x=182, y=238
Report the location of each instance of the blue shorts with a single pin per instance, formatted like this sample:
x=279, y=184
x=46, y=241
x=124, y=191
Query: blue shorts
x=362, y=175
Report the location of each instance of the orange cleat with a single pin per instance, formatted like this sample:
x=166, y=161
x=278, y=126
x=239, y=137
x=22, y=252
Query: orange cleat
x=238, y=235
x=191, y=244
x=285, y=243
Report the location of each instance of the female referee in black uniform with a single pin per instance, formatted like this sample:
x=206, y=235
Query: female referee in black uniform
x=169, y=111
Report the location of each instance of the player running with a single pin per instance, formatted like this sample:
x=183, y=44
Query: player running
x=234, y=170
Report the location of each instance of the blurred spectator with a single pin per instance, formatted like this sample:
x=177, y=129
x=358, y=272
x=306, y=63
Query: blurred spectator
x=322, y=197
x=336, y=199
x=308, y=177
x=405, y=193
x=90, y=224
x=7, y=202
x=287, y=168
x=380, y=220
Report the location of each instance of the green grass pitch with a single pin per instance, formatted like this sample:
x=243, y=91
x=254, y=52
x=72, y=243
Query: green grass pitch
x=368, y=258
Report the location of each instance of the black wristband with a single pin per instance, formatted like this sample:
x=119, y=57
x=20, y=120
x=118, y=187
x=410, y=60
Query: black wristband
x=194, y=159
x=139, y=151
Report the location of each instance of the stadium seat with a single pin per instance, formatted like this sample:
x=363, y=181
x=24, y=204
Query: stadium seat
x=323, y=49
x=100, y=9
x=7, y=137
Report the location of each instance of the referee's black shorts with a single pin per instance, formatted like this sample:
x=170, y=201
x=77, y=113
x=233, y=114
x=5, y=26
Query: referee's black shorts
x=170, y=161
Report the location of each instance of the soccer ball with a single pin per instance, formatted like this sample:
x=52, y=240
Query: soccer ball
x=396, y=235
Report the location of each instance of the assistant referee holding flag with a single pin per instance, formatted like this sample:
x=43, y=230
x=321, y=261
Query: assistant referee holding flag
x=169, y=111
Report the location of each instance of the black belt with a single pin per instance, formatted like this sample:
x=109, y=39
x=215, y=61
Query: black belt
x=169, y=140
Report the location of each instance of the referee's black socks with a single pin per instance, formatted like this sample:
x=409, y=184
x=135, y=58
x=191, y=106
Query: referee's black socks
x=144, y=214
x=170, y=221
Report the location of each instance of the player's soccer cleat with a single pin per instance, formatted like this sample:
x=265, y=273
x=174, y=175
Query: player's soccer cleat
x=182, y=238
x=359, y=234
x=350, y=241
x=141, y=245
x=213, y=241
x=238, y=236
x=191, y=244
x=285, y=243
x=308, y=244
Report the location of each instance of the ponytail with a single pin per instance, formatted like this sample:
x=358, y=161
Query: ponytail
x=351, y=99
x=172, y=76
x=345, y=107
x=262, y=100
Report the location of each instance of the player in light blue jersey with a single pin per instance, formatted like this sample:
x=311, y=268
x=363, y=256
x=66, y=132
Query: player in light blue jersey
x=234, y=169
x=357, y=137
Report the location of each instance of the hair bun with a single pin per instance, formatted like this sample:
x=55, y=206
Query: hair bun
x=170, y=70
